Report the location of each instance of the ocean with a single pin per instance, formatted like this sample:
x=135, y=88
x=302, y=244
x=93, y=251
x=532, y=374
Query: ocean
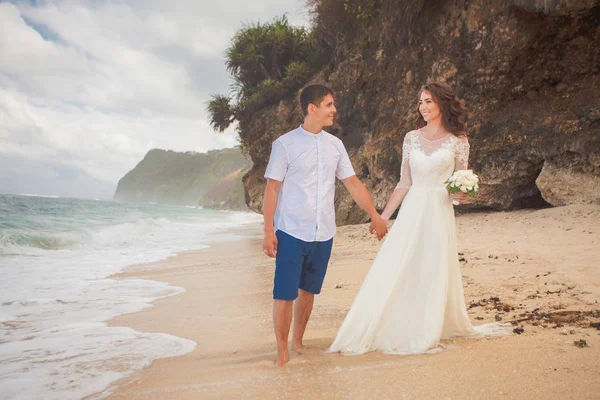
x=57, y=256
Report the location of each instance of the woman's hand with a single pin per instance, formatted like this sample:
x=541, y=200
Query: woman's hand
x=461, y=198
x=378, y=227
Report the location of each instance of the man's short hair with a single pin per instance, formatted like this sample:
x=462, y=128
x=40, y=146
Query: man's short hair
x=313, y=94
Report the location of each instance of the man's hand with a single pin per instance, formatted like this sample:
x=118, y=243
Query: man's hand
x=378, y=227
x=269, y=207
x=270, y=244
x=460, y=197
x=361, y=196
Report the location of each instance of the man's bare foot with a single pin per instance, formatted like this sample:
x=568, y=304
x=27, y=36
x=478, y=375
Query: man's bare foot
x=282, y=358
x=298, y=348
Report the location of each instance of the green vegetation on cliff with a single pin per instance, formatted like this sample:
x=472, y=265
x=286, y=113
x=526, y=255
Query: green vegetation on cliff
x=210, y=179
x=267, y=62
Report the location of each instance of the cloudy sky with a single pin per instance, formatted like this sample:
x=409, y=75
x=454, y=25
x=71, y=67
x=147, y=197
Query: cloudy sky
x=92, y=85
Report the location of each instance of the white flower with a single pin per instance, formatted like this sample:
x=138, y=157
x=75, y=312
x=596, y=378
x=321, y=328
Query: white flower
x=463, y=180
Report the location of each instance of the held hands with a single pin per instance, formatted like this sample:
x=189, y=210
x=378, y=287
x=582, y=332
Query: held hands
x=378, y=227
x=270, y=244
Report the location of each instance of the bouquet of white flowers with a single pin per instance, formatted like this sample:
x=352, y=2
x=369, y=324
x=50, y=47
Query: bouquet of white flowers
x=463, y=181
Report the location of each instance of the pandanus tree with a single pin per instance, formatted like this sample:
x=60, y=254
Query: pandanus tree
x=266, y=61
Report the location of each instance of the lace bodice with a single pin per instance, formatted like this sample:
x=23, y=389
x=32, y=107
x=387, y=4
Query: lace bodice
x=430, y=163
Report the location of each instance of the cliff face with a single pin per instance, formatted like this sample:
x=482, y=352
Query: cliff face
x=528, y=71
x=167, y=177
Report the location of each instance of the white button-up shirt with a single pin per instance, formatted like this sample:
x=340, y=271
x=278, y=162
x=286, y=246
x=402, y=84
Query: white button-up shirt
x=307, y=164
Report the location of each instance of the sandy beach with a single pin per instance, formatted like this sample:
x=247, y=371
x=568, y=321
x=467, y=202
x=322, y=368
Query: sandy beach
x=539, y=268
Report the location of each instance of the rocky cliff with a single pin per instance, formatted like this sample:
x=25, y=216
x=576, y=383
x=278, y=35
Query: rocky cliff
x=528, y=71
x=212, y=179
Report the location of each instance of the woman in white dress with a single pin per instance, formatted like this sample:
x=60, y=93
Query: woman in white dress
x=413, y=296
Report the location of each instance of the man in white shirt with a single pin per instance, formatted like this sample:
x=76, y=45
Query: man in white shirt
x=299, y=213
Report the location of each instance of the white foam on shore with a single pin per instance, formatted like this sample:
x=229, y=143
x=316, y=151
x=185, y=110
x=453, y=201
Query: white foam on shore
x=46, y=196
x=54, y=304
x=60, y=347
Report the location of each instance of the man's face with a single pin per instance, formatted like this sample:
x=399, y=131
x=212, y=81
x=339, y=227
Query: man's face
x=326, y=111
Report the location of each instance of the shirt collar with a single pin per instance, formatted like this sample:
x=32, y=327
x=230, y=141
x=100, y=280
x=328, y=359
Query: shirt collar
x=305, y=132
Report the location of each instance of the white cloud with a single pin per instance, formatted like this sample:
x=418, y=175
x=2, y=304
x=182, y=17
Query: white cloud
x=95, y=85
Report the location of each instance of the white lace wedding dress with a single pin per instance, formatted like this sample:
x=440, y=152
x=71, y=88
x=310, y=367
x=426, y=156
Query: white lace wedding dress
x=413, y=296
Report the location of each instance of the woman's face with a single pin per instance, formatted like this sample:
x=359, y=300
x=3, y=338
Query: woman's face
x=428, y=108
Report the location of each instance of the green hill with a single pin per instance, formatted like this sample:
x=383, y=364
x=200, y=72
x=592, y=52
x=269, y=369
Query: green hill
x=210, y=179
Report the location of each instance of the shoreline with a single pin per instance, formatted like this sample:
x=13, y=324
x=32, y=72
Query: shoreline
x=539, y=259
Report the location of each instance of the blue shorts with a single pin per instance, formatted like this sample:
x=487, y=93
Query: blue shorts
x=299, y=265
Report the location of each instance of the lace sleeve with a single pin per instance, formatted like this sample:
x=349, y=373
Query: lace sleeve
x=405, y=178
x=461, y=154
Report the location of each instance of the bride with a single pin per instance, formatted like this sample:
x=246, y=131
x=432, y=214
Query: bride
x=413, y=296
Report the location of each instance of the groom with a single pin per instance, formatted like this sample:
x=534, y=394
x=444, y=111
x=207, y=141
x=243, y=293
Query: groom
x=299, y=213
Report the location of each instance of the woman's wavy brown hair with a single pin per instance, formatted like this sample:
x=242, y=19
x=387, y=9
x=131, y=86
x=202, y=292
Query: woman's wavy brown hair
x=454, y=113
